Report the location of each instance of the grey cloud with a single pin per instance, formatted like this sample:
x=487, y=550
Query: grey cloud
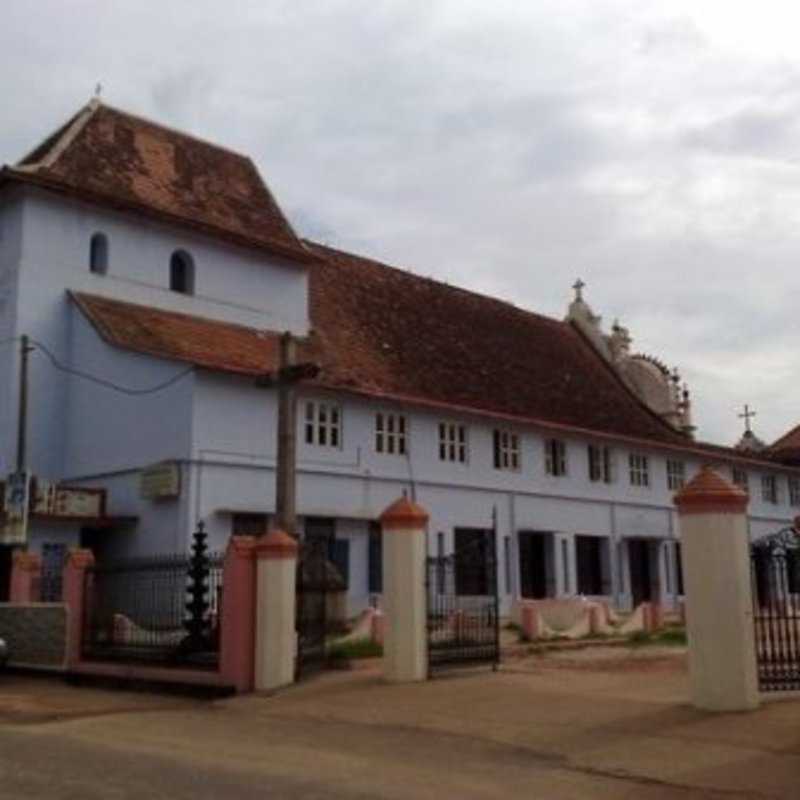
x=506, y=147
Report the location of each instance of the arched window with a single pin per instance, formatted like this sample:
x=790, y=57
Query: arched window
x=98, y=254
x=181, y=272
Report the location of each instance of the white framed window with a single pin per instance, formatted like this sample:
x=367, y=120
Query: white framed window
x=555, y=457
x=676, y=474
x=639, y=469
x=506, y=450
x=453, y=442
x=601, y=463
x=794, y=490
x=323, y=424
x=390, y=434
x=769, y=489
x=741, y=479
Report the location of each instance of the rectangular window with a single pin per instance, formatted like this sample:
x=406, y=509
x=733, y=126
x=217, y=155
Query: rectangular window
x=769, y=489
x=323, y=424
x=555, y=457
x=453, y=442
x=601, y=464
x=741, y=479
x=794, y=491
x=506, y=450
x=676, y=474
x=679, y=567
x=390, y=434
x=639, y=469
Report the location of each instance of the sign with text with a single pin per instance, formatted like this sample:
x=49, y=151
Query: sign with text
x=14, y=529
x=160, y=481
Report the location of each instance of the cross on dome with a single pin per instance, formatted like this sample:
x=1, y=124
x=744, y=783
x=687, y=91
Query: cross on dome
x=578, y=287
x=746, y=417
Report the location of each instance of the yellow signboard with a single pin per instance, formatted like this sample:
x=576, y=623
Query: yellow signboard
x=160, y=481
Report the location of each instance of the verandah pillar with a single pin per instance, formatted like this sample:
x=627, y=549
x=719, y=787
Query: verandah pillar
x=715, y=551
x=276, y=640
x=405, y=646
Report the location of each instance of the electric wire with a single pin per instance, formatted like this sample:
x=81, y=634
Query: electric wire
x=103, y=381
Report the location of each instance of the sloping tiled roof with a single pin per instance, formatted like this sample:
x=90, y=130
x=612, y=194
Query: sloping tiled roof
x=389, y=332
x=383, y=332
x=787, y=448
x=206, y=343
x=111, y=157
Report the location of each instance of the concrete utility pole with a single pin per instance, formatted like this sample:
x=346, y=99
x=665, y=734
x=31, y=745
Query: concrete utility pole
x=22, y=420
x=285, y=379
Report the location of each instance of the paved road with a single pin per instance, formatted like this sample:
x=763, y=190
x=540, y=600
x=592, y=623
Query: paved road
x=547, y=730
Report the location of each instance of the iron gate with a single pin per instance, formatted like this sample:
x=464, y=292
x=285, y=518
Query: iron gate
x=313, y=583
x=463, y=606
x=775, y=570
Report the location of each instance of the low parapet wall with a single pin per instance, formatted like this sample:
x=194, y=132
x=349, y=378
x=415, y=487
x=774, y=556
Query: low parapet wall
x=36, y=634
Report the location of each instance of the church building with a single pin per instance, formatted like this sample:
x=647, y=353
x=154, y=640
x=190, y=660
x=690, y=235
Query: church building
x=153, y=274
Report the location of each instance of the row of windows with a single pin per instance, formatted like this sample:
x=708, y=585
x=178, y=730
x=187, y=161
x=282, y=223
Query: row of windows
x=323, y=427
x=181, y=265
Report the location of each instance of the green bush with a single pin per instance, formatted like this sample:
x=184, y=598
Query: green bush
x=359, y=648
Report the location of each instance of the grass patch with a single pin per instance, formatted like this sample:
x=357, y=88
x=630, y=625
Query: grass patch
x=666, y=636
x=359, y=648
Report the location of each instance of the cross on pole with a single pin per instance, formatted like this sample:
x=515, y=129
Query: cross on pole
x=746, y=417
x=578, y=287
x=285, y=378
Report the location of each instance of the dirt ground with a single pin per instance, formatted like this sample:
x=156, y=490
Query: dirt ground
x=607, y=722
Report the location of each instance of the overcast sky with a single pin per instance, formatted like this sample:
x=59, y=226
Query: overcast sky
x=649, y=148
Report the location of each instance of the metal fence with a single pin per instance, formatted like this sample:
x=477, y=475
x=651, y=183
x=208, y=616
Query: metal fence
x=775, y=563
x=162, y=610
x=463, y=606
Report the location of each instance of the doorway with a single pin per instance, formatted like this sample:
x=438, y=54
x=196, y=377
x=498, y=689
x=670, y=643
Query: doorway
x=6, y=553
x=641, y=573
x=535, y=559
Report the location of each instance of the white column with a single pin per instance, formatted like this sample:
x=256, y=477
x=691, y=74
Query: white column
x=719, y=607
x=405, y=646
x=276, y=640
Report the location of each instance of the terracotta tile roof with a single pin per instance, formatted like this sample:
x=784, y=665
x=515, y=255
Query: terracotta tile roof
x=383, y=332
x=386, y=331
x=787, y=448
x=167, y=334
x=107, y=156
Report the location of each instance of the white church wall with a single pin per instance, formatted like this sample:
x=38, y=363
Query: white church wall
x=10, y=247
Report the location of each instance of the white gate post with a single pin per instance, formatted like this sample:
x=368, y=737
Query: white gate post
x=276, y=641
x=405, y=645
x=715, y=551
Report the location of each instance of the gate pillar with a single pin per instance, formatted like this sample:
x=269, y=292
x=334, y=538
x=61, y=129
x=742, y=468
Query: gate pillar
x=75, y=597
x=715, y=550
x=276, y=641
x=405, y=651
x=26, y=577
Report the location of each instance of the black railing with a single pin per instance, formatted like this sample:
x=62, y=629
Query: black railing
x=162, y=610
x=775, y=563
x=463, y=607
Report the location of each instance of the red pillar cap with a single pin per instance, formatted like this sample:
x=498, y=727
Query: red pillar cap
x=708, y=493
x=276, y=544
x=80, y=557
x=22, y=559
x=404, y=514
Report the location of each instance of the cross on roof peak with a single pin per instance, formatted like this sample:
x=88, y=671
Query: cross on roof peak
x=578, y=287
x=746, y=415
